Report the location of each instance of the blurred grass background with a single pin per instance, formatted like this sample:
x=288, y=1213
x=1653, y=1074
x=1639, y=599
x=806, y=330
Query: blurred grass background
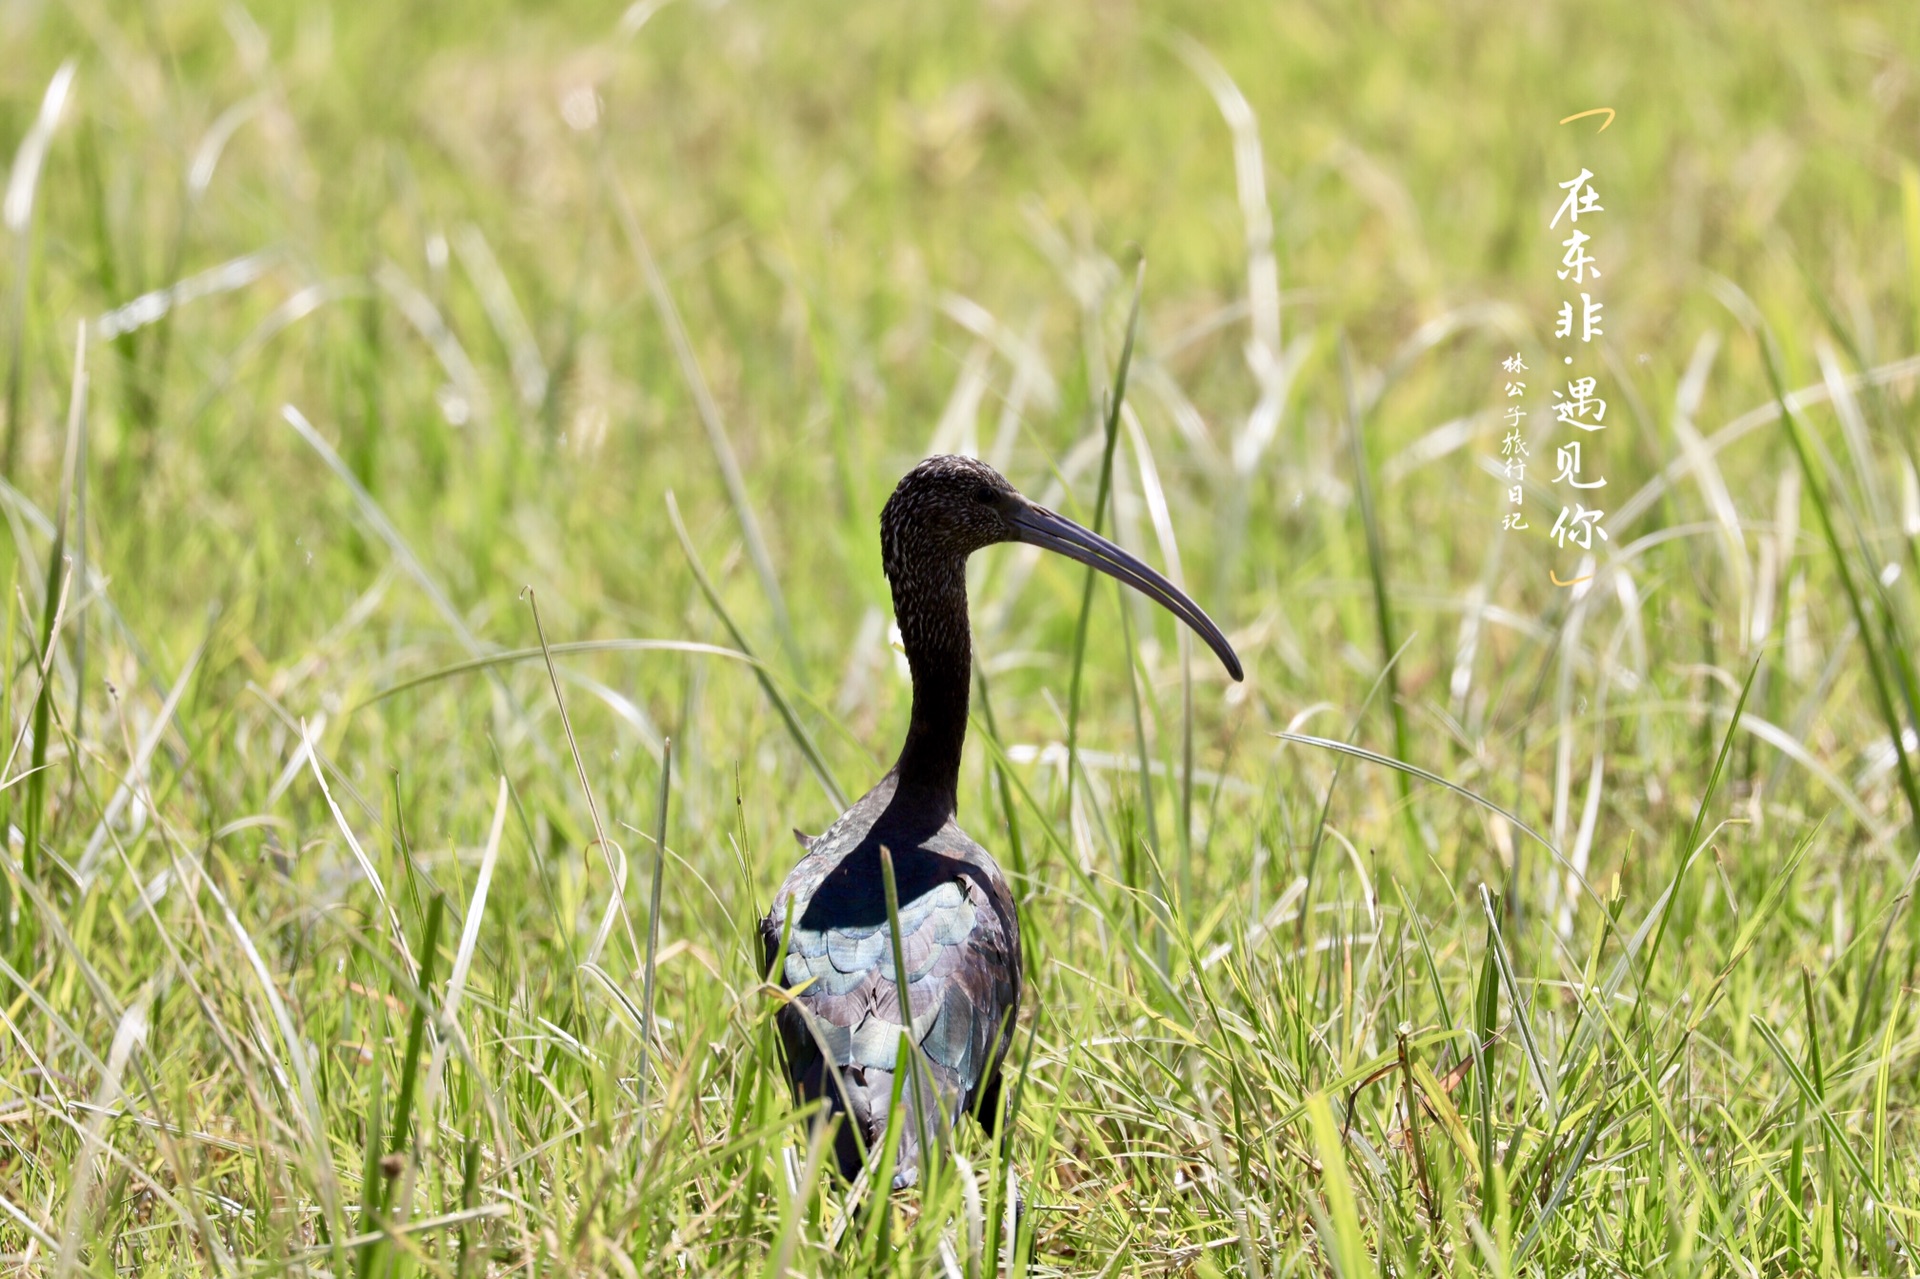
x=469, y=291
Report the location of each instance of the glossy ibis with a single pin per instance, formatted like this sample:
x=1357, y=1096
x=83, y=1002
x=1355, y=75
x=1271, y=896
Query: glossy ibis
x=960, y=935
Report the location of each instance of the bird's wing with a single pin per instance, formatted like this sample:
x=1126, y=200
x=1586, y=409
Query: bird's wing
x=961, y=944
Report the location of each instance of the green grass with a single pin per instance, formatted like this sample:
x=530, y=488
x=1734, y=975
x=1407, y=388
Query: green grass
x=1490, y=927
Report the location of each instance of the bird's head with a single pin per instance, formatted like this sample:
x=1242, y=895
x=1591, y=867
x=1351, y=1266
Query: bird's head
x=946, y=508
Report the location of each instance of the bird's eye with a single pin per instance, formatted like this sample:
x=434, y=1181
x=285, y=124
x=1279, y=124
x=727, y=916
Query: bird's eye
x=983, y=495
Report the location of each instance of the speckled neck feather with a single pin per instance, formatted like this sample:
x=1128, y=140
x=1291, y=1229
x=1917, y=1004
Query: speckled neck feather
x=930, y=603
x=942, y=511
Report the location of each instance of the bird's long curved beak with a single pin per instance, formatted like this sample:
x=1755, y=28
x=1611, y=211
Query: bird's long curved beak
x=1038, y=526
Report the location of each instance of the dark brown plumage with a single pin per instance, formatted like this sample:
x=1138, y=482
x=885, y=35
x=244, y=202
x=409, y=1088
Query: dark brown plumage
x=960, y=933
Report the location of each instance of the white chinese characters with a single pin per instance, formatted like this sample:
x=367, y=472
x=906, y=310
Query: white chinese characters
x=1578, y=407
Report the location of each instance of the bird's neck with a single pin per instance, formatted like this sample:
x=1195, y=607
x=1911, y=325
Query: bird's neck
x=931, y=607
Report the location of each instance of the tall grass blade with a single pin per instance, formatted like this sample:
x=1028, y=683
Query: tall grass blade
x=1831, y=1130
x=795, y=729
x=59, y=569
x=709, y=413
x=447, y=1024
x=1016, y=846
x=384, y=529
x=404, y=1127
x=615, y=858
x=1879, y=671
x=1377, y=578
x=23, y=180
x=1339, y=1220
x=907, y=1060
x=653, y=931
x=1691, y=849
x=510, y=657
x=1115, y=398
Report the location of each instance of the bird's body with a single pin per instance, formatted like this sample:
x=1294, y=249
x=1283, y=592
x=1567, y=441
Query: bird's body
x=961, y=939
x=958, y=927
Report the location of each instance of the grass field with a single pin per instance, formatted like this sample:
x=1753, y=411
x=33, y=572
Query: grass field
x=335, y=914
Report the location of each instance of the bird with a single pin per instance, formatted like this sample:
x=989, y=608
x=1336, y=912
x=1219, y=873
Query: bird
x=827, y=931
